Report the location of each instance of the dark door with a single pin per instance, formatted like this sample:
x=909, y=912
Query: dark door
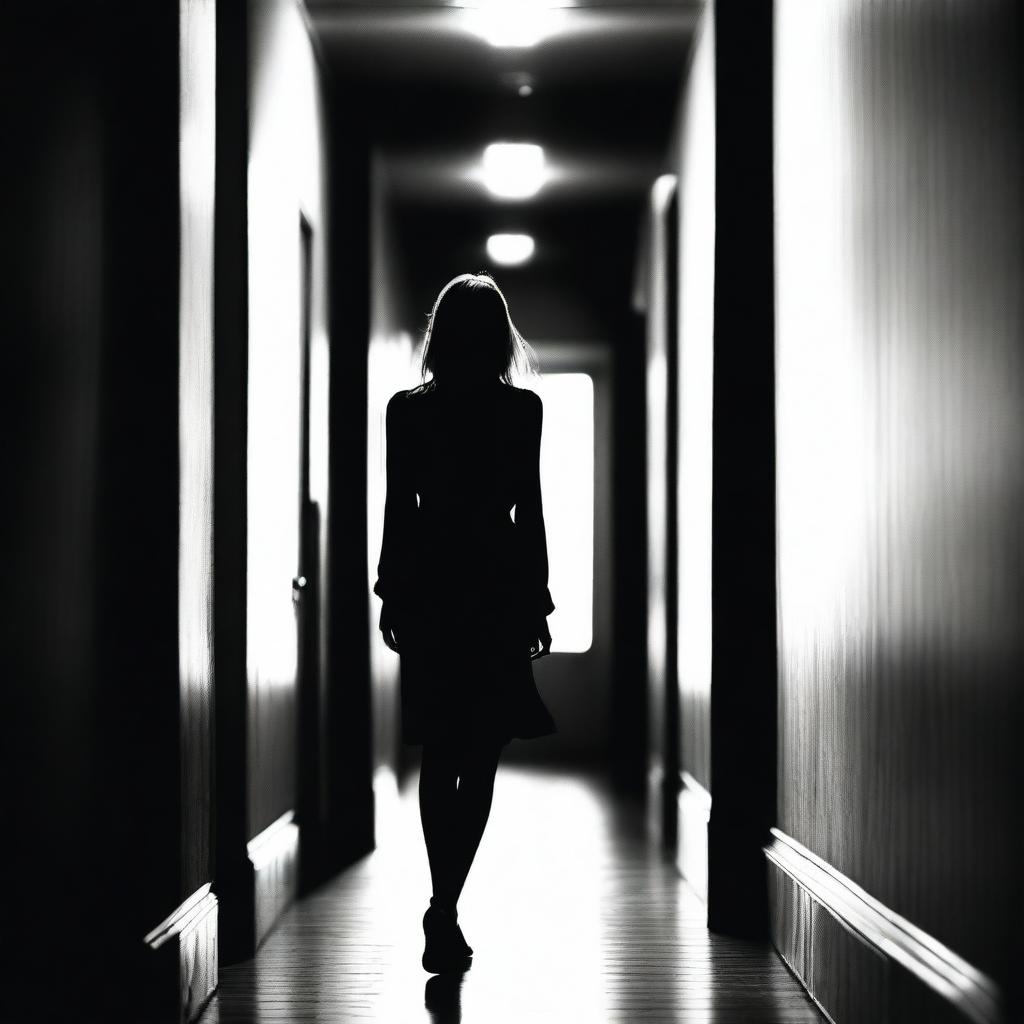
x=306, y=590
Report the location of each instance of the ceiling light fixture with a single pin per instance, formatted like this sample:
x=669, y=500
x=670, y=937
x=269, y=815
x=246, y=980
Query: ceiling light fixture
x=510, y=250
x=513, y=23
x=513, y=170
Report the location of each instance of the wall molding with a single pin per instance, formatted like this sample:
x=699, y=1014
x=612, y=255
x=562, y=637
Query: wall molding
x=899, y=969
x=694, y=815
x=274, y=855
x=190, y=931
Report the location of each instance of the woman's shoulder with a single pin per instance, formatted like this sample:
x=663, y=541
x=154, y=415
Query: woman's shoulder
x=408, y=398
x=525, y=401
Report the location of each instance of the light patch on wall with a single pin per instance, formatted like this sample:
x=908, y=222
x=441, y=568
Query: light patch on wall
x=696, y=379
x=825, y=449
x=567, y=485
x=284, y=176
x=319, y=417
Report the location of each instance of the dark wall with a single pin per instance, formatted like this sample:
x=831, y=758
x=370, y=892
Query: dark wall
x=723, y=466
x=901, y=407
x=743, y=605
x=55, y=276
x=348, y=713
x=629, y=569
x=109, y=399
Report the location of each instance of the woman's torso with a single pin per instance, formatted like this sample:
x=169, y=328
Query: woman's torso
x=467, y=456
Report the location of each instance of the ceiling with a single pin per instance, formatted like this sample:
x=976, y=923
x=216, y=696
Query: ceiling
x=623, y=42
x=604, y=90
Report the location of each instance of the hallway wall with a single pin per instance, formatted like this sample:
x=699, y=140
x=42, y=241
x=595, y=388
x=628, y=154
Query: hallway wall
x=900, y=422
x=694, y=158
x=286, y=179
x=197, y=88
x=53, y=456
x=110, y=397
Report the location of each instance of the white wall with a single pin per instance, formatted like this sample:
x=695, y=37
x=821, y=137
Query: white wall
x=287, y=177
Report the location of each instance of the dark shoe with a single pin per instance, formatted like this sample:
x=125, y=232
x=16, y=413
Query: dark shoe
x=451, y=916
x=446, y=948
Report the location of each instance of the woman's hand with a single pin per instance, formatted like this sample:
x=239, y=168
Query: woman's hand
x=387, y=628
x=542, y=644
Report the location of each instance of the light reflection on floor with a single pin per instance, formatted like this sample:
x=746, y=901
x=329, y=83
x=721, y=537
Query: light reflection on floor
x=572, y=916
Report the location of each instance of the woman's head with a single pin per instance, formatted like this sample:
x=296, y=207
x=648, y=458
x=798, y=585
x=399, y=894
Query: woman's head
x=470, y=335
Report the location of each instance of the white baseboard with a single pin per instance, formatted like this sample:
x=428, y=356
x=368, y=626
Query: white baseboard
x=860, y=960
x=274, y=855
x=694, y=813
x=189, y=935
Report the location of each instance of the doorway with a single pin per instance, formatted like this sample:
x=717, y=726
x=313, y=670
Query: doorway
x=311, y=798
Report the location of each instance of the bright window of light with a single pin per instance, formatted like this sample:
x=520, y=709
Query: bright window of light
x=567, y=483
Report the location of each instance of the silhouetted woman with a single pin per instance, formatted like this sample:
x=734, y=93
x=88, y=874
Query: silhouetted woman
x=463, y=578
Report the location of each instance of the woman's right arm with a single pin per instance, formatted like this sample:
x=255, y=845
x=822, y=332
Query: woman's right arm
x=399, y=507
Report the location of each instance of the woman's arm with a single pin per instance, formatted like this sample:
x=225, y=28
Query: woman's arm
x=399, y=507
x=530, y=526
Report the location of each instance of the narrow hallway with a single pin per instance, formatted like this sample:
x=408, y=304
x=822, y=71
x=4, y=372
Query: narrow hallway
x=573, y=914
x=643, y=377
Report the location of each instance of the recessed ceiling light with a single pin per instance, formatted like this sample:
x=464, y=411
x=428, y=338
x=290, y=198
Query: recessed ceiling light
x=510, y=250
x=513, y=23
x=513, y=170
x=520, y=82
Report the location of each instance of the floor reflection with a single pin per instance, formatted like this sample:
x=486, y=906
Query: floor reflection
x=442, y=996
x=572, y=915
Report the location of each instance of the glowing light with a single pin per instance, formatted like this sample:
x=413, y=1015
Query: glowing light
x=513, y=170
x=513, y=23
x=510, y=250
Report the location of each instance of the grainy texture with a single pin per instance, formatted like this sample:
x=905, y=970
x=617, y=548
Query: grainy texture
x=848, y=976
x=573, y=916
x=900, y=412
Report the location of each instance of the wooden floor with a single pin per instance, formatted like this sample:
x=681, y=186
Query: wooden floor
x=573, y=918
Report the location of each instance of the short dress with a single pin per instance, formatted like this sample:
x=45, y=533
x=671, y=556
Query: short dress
x=463, y=567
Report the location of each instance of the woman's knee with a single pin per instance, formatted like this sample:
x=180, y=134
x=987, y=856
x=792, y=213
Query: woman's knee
x=479, y=761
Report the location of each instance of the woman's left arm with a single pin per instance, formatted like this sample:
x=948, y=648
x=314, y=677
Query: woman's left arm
x=530, y=524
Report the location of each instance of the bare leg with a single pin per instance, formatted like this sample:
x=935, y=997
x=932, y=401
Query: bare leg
x=439, y=773
x=477, y=764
